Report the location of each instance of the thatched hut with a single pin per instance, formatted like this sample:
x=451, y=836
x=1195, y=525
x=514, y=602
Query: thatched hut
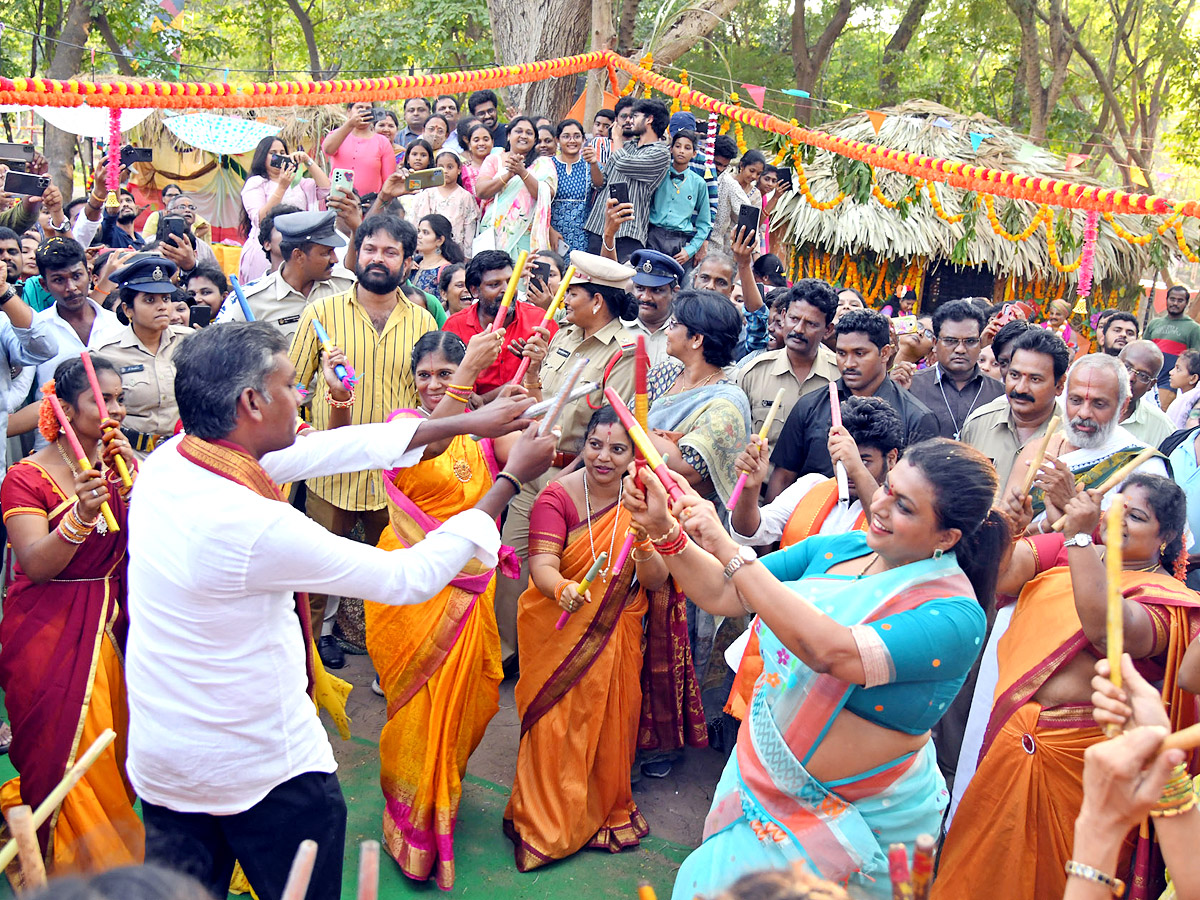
x=890, y=230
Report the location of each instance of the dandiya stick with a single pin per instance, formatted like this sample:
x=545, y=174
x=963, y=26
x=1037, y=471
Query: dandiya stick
x=1184, y=739
x=339, y=370
x=646, y=891
x=1040, y=455
x=368, y=870
x=1115, y=630
x=9, y=852
x=583, y=585
x=551, y=310
x=762, y=436
x=922, y=866
x=1115, y=479
x=839, y=470
x=641, y=394
x=81, y=457
x=301, y=872
x=641, y=440
x=241, y=298
x=33, y=868
x=560, y=400
x=90, y=369
x=510, y=292
x=630, y=538
x=898, y=870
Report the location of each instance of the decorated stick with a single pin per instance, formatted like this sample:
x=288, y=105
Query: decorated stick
x=1040, y=455
x=84, y=465
x=642, y=441
x=839, y=470
x=583, y=585
x=368, y=870
x=9, y=852
x=922, y=866
x=630, y=537
x=645, y=891
x=551, y=310
x=898, y=869
x=122, y=469
x=241, y=298
x=762, y=436
x=301, y=873
x=33, y=867
x=1113, y=540
x=342, y=372
x=510, y=292
x=1115, y=479
x=641, y=395
x=560, y=400
x=542, y=407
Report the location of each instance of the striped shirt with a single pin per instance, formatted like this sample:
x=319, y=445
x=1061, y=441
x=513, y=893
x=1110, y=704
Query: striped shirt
x=642, y=167
x=382, y=363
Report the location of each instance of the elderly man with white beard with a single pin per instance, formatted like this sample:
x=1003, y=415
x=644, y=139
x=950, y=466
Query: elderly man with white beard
x=1090, y=446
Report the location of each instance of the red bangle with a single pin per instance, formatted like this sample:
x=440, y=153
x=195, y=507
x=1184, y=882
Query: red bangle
x=672, y=546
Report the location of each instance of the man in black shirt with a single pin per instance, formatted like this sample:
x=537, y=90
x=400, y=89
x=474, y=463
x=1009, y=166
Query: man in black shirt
x=484, y=106
x=864, y=352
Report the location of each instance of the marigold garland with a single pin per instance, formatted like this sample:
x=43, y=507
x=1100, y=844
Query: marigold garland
x=938, y=209
x=1182, y=242
x=1052, y=248
x=813, y=201
x=909, y=197
x=989, y=206
x=737, y=125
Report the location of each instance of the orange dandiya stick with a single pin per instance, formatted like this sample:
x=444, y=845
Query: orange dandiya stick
x=551, y=310
x=510, y=292
x=80, y=456
x=646, y=892
x=641, y=440
x=122, y=469
x=922, y=866
x=641, y=395
x=1114, y=538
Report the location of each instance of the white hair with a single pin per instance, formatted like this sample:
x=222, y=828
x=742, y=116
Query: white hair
x=1103, y=362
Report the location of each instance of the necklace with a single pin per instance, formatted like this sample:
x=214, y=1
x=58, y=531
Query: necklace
x=867, y=567
x=587, y=502
x=953, y=418
x=101, y=525
x=698, y=384
x=461, y=468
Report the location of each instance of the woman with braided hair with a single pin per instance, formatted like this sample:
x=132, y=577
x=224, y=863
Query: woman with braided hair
x=63, y=630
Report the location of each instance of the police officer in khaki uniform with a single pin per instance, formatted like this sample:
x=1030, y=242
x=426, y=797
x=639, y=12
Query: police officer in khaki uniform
x=144, y=352
x=309, y=273
x=656, y=281
x=592, y=330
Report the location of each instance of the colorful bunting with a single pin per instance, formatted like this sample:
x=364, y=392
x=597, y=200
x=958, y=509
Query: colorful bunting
x=942, y=122
x=757, y=92
x=1027, y=152
x=876, y=118
x=1136, y=176
x=1074, y=161
x=977, y=138
x=795, y=92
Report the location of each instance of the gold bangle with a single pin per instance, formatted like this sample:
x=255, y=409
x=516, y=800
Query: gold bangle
x=666, y=537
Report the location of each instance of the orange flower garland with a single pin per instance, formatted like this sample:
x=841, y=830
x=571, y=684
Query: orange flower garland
x=1052, y=247
x=1035, y=223
x=909, y=197
x=1183, y=247
x=813, y=201
x=938, y=209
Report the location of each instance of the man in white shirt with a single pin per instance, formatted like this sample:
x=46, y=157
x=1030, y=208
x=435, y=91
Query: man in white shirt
x=225, y=746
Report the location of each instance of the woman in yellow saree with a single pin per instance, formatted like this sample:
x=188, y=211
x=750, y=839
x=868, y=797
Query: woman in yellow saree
x=579, y=696
x=438, y=661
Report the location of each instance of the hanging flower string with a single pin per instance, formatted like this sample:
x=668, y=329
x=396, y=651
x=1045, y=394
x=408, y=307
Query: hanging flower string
x=113, y=201
x=1090, y=232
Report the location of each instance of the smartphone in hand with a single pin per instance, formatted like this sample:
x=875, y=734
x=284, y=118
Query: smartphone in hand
x=619, y=192
x=748, y=218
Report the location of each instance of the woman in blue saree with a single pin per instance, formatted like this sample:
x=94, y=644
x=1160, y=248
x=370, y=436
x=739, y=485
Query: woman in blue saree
x=865, y=640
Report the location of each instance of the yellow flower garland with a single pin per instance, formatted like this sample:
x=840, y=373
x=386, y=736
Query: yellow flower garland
x=989, y=206
x=813, y=201
x=877, y=193
x=1052, y=247
x=938, y=209
x=1183, y=247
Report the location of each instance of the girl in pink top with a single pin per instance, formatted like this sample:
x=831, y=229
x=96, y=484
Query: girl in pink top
x=355, y=145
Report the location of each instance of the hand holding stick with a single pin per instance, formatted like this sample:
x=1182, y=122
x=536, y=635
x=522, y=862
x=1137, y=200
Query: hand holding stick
x=1036, y=462
x=122, y=469
x=762, y=436
x=241, y=298
x=343, y=372
x=547, y=318
x=641, y=440
x=839, y=470
x=84, y=465
x=1114, y=537
x=591, y=575
x=1115, y=479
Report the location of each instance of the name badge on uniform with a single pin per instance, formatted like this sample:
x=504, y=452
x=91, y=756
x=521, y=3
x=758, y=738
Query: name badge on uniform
x=766, y=404
x=125, y=370
x=563, y=351
x=289, y=320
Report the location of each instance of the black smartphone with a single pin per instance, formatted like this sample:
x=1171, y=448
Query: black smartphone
x=15, y=165
x=748, y=217
x=785, y=178
x=279, y=160
x=539, y=270
x=175, y=225
x=200, y=314
x=130, y=155
x=16, y=151
x=26, y=184
x=619, y=192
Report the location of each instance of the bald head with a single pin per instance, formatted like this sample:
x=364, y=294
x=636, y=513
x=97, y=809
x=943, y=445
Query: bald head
x=1143, y=361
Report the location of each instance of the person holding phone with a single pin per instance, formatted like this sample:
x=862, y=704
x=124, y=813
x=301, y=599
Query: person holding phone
x=273, y=182
x=355, y=145
x=115, y=230
x=450, y=199
x=144, y=352
x=736, y=189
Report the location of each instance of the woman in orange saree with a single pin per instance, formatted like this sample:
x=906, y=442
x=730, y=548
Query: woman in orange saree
x=438, y=661
x=63, y=629
x=579, y=696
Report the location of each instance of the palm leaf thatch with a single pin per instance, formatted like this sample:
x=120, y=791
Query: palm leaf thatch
x=862, y=225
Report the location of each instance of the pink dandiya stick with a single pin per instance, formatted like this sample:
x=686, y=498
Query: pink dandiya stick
x=90, y=369
x=368, y=870
x=642, y=441
x=839, y=470
x=898, y=870
x=81, y=457
x=301, y=871
x=583, y=586
x=762, y=436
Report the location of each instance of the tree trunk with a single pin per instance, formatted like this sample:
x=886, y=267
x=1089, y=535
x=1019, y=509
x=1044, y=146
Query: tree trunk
x=118, y=52
x=629, y=11
x=540, y=29
x=68, y=54
x=692, y=26
x=597, y=79
x=310, y=39
x=809, y=61
x=889, y=84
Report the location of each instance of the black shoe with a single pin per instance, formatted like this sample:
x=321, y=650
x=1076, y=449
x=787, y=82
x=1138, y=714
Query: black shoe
x=330, y=652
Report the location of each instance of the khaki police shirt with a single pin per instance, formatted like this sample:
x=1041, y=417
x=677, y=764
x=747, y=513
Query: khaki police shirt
x=764, y=375
x=992, y=431
x=147, y=378
x=656, y=341
x=568, y=346
x=273, y=300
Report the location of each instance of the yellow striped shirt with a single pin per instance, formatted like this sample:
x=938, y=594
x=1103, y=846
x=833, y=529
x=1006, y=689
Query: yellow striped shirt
x=383, y=365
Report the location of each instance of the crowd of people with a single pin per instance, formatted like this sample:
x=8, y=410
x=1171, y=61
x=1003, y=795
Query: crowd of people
x=869, y=571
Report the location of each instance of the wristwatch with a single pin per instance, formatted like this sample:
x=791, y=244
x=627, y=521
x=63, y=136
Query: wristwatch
x=8, y=295
x=1083, y=539
x=744, y=555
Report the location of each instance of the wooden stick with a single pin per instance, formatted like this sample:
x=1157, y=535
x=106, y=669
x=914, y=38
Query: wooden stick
x=839, y=470
x=762, y=436
x=1184, y=739
x=9, y=852
x=1113, y=553
x=368, y=870
x=301, y=873
x=33, y=867
x=561, y=399
x=1036, y=462
x=1115, y=479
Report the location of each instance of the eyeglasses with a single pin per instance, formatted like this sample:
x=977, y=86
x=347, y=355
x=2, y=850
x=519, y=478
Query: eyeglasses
x=187, y=206
x=1141, y=377
x=671, y=322
x=965, y=343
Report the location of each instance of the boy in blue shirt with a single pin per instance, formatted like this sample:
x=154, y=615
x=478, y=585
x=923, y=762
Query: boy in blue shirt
x=680, y=217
